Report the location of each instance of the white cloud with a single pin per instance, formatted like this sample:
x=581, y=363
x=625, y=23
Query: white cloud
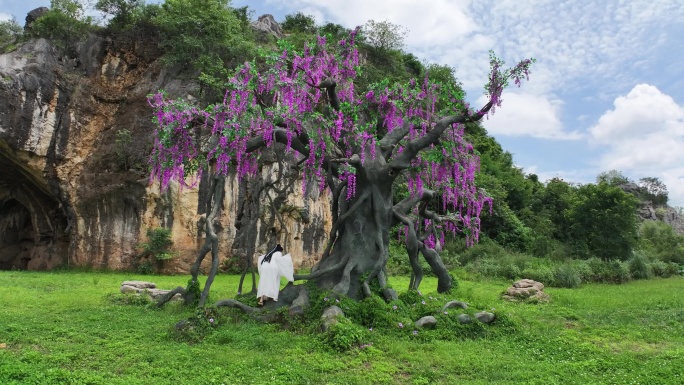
x=435, y=24
x=524, y=114
x=5, y=16
x=578, y=44
x=644, y=136
x=583, y=176
x=644, y=111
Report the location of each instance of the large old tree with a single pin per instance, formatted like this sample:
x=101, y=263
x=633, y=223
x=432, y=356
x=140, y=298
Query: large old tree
x=356, y=144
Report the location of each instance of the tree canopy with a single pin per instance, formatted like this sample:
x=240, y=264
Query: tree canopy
x=353, y=142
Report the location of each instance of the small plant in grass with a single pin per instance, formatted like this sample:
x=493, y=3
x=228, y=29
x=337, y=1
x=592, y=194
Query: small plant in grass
x=344, y=335
x=199, y=325
x=144, y=267
x=134, y=299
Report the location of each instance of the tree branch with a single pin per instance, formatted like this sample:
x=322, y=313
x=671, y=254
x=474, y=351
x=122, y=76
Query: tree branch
x=390, y=140
x=403, y=160
x=280, y=136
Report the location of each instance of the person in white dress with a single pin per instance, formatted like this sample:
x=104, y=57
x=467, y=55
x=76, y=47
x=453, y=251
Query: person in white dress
x=272, y=266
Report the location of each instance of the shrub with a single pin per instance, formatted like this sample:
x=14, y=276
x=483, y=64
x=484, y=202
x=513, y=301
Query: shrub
x=659, y=241
x=65, y=24
x=541, y=274
x=199, y=34
x=122, y=148
x=619, y=272
x=482, y=250
x=299, y=22
x=159, y=244
x=609, y=272
x=199, y=326
x=370, y=312
x=10, y=33
x=639, y=266
x=508, y=271
x=583, y=270
x=344, y=335
x=144, y=267
x=566, y=276
x=384, y=35
x=664, y=269
x=125, y=13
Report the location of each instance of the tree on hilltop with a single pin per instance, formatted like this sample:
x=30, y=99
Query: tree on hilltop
x=356, y=144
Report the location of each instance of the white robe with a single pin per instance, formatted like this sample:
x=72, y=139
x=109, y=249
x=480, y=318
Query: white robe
x=270, y=273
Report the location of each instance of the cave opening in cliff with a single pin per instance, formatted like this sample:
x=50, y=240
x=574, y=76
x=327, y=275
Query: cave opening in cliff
x=16, y=235
x=33, y=224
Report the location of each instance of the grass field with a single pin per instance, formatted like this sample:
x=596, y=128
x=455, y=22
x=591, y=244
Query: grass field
x=61, y=328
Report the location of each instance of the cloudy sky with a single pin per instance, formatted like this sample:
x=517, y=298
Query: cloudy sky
x=607, y=91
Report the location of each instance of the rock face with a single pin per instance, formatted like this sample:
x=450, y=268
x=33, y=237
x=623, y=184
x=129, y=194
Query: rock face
x=526, y=290
x=67, y=198
x=34, y=15
x=648, y=212
x=266, y=25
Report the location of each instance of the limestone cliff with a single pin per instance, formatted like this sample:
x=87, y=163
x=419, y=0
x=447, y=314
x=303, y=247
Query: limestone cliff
x=64, y=198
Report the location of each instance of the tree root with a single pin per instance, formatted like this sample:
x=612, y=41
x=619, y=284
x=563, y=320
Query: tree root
x=167, y=297
x=238, y=305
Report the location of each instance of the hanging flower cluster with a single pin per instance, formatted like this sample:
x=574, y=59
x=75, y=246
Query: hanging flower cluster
x=286, y=94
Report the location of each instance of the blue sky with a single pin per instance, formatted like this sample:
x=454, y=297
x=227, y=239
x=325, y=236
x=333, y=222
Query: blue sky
x=607, y=91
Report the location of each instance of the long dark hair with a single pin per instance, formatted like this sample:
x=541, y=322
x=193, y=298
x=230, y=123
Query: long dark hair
x=268, y=256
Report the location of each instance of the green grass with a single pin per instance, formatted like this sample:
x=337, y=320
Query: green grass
x=61, y=328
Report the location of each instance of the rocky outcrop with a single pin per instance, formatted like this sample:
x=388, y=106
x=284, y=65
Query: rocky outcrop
x=526, y=290
x=34, y=15
x=648, y=212
x=66, y=198
x=266, y=26
x=146, y=288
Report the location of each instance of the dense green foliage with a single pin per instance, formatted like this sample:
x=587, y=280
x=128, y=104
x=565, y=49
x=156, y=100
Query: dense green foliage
x=299, y=22
x=65, y=24
x=124, y=13
x=384, y=35
x=198, y=33
x=10, y=33
x=72, y=328
x=158, y=244
x=603, y=222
